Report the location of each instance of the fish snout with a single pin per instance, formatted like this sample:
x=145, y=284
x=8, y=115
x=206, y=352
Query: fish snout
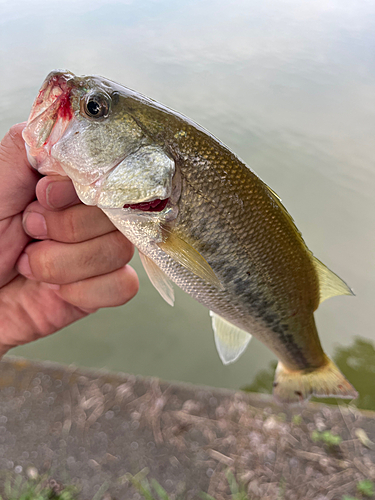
x=54, y=87
x=50, y=114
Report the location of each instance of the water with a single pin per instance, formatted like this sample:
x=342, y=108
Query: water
x=289, y=86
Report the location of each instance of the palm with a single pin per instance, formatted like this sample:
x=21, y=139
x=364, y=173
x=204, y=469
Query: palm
x=31, y=310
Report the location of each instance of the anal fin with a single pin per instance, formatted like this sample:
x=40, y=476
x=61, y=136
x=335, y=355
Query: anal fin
x=230, y=340
x=158, y=278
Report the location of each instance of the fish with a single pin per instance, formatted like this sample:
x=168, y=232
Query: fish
x=200, y=218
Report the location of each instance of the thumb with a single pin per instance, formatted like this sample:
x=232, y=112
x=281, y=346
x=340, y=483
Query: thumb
x=18, y=179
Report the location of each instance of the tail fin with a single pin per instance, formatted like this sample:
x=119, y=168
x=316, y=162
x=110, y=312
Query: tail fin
x=292, y=386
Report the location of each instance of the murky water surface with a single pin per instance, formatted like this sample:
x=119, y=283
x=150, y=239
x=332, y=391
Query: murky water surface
x=290, y=87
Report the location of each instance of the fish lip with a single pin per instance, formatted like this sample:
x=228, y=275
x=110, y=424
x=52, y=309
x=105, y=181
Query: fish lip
x=52, y=105
x=56, y=83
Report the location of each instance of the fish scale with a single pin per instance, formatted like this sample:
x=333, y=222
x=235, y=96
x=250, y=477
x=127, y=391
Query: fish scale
x=199, y=216
x=249, y=228
x=246, y=271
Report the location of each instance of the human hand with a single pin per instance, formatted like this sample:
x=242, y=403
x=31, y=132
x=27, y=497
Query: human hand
x=78, y=267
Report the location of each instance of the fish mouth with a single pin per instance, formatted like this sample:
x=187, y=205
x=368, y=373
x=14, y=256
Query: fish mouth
x=149, y=206
x=50, y=114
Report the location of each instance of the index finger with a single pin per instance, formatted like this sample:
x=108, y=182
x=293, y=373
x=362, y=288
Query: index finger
x=55, y=192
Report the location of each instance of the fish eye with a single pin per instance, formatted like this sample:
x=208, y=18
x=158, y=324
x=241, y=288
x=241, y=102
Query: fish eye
x=95, y=106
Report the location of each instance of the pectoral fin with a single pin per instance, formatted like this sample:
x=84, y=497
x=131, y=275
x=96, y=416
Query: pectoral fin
x=329, y=283
x=188, y=257
x=159, y=279
x=230, y=340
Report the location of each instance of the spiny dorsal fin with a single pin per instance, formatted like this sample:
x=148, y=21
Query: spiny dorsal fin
x=329, y=283
x=158, y=278
x=187, y=256
x=230, y=340
x=289, y=218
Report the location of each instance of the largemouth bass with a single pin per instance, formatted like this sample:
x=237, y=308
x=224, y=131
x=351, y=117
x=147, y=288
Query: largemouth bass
x=199, y=217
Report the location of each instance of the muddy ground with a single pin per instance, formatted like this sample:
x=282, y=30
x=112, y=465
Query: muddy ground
x=97, y=429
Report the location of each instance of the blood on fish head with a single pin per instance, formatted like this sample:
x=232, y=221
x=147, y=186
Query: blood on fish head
x=55, y=87
x=149, y=206
x=83, y=128
x=49, y=118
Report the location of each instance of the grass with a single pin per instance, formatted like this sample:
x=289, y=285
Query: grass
x=297, y=420
x=238, y=492
x=151, y=490
x=41, y=489
x=36, y=489
x=366, y=488
x=329, y=439
x=145, y=487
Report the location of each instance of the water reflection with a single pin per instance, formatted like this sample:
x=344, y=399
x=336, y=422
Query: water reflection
x=357, y=363
x=288, y=85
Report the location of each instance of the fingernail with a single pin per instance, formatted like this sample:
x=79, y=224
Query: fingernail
x=35, y=225
x=60, y=194
x=23, y=266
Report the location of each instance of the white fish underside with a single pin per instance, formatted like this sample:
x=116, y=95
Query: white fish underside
x=230, y=340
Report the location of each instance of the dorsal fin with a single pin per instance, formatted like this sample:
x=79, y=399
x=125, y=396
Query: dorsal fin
x=230, y=340
x=158, y=278
x=289, y=218
x=330, y=284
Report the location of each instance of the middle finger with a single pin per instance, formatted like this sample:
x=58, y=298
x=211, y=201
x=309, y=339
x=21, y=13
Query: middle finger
x=61, y=263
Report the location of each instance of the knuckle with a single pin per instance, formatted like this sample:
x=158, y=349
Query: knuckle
x=74, y=294
x=48, y=269
x=44, y=265
x=71, y=226
x=90, y=261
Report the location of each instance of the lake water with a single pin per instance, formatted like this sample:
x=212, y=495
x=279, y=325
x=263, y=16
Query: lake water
x=287, y=85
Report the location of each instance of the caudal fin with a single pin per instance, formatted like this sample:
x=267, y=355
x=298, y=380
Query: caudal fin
x=293, y=386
